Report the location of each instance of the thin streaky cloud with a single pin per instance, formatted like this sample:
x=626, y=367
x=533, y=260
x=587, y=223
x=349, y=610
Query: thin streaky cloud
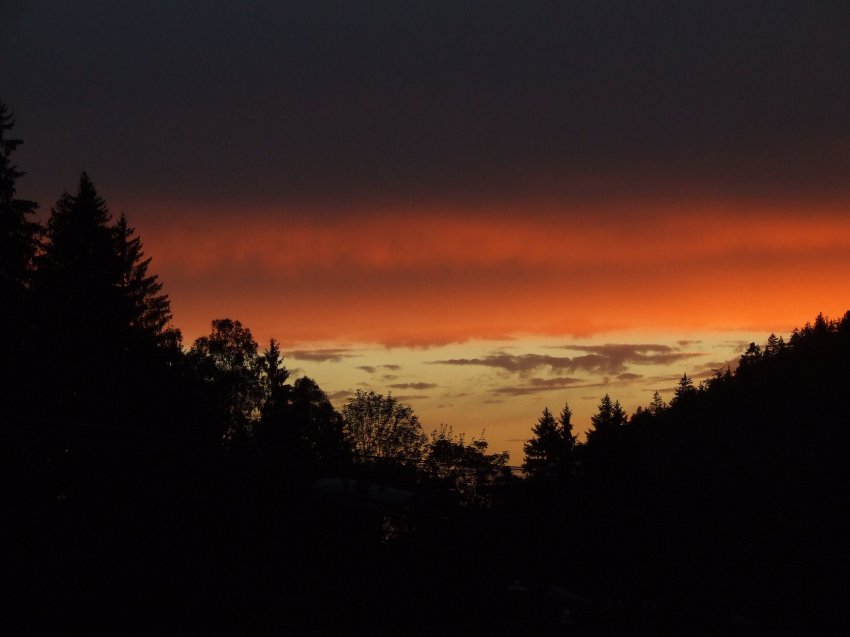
x=536, y=386
x=641, y=354
x=418, y=386
x=410, y=397
x=629, y=377
x=323, y=355
x=601, y=359
x=552, y=382
x=517, y=364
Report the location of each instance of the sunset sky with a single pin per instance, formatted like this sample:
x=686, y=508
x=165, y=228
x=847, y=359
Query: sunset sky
x=483, y=207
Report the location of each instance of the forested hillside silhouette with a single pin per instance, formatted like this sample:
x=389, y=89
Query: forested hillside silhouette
x=731, y=502
x=160, y=487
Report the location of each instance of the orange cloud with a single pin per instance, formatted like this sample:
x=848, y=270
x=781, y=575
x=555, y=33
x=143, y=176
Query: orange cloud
x=423, y=275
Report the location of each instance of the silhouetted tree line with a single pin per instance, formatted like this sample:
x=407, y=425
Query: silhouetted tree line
x=90, y=351
x=195, y=481
x=727, y=508
x=157, y=488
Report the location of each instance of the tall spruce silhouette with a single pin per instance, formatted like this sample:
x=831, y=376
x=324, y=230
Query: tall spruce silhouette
x=147, y=310
x=100, y=313
x=19, y=236
x=18, y=233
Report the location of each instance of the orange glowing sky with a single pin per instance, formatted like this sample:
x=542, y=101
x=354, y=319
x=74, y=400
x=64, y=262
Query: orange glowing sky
x=427, y=277
x=377, y=297
x=458, y=201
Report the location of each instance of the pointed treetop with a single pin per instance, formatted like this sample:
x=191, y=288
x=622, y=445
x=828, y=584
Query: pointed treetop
x=657, y=405
x=18, y=235
x=550, y=451
x=565, y=417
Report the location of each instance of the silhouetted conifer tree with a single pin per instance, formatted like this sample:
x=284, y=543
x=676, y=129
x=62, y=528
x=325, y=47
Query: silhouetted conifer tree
x=550, y=451
x=657, y=405
x=81, y=306
x=18, y=234
x=18, y=243
x=607, y=420
x=148, y=310
x=774, y=346
x=685, y=390
x=273, y=373
x=101, y=313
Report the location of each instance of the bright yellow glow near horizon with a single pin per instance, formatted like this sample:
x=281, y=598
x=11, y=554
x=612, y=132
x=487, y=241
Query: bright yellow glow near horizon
x=502, y=388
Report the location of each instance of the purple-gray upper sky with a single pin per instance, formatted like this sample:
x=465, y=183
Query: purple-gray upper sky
x=275, y=101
